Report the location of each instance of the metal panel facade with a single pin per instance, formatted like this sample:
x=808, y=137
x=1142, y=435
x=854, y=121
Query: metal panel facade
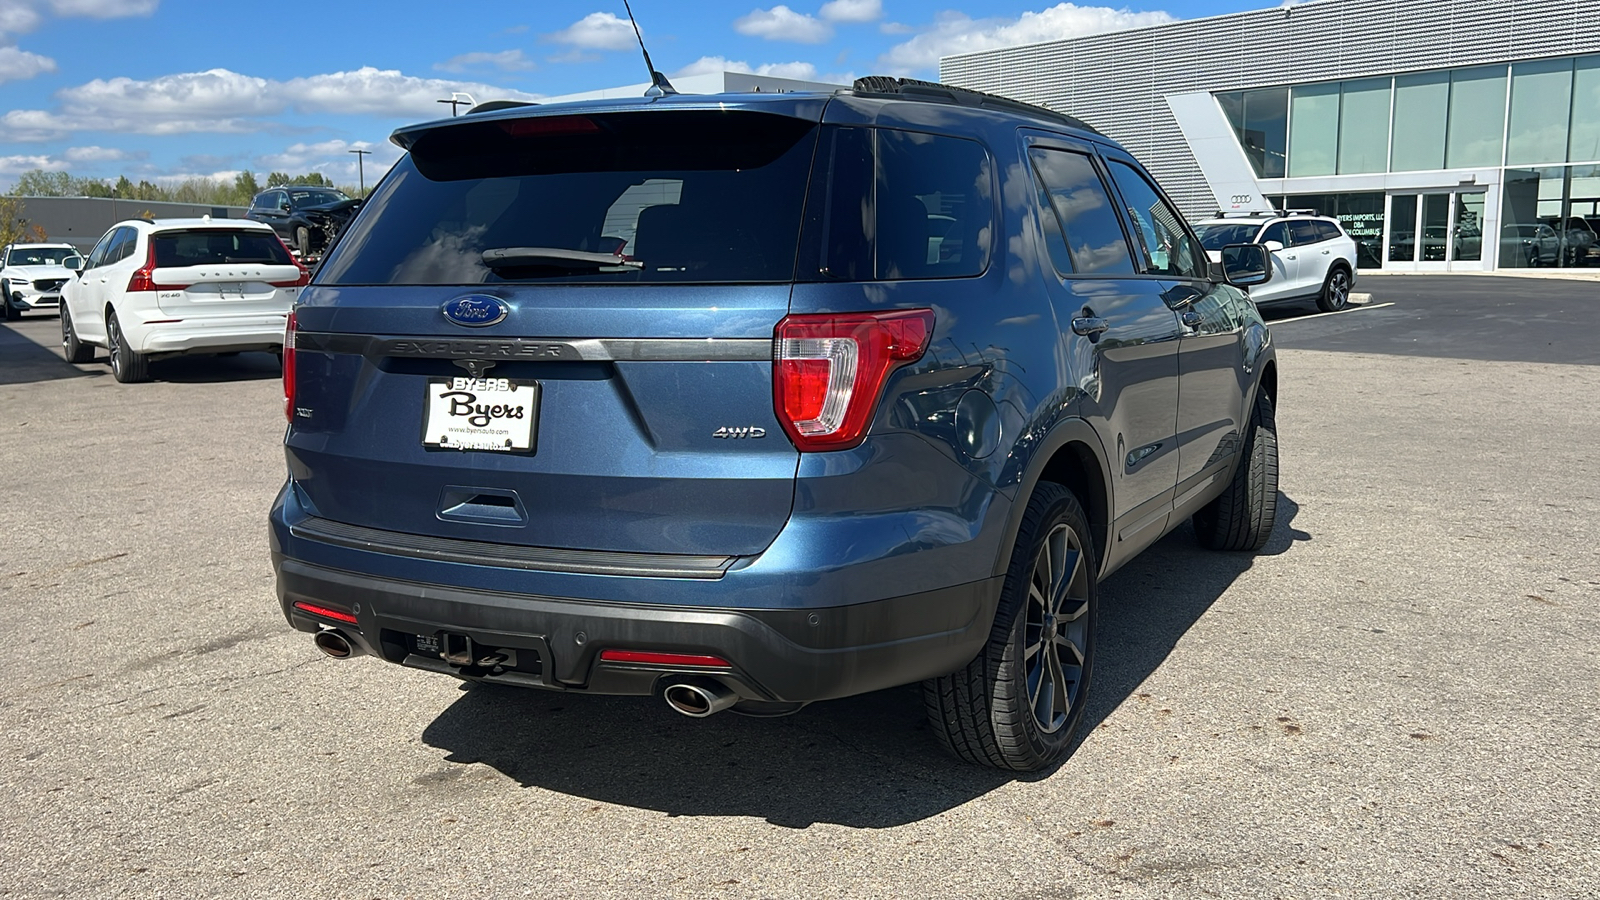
x=1118, y=82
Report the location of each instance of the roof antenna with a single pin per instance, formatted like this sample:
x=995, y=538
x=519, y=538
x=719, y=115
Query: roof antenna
x=659, y=85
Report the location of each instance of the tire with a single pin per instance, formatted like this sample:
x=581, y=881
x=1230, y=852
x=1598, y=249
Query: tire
x=127, y=366
x=75, y=350
x=302, y=241
x=986, y=713
x=1335, y=290
x=11, y=313
x=1243, y=516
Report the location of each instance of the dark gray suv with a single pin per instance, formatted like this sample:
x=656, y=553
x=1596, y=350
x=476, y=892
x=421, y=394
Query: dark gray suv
x=751, y=401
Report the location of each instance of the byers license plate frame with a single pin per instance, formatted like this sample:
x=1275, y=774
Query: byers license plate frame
x=497, y=415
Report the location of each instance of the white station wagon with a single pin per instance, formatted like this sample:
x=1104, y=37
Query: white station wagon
x=156, y=288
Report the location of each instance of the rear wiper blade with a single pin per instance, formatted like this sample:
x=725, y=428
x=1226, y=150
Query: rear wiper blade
x=512, y=257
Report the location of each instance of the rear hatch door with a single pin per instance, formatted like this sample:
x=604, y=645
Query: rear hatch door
x=222, y=271
x=623, y=272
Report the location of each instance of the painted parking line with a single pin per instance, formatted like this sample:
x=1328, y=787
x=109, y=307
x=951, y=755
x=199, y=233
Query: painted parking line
x=1338, y=312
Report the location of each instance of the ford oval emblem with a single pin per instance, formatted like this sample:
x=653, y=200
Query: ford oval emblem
x=476, y=310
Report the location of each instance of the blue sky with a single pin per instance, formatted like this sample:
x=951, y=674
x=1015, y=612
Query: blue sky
x=164, y=89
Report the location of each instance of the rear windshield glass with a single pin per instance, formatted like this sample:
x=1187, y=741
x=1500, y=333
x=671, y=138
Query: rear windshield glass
x=686, y=196
x=1215, y=237
x=215, y=245
x=39, y=256
x=315, y=198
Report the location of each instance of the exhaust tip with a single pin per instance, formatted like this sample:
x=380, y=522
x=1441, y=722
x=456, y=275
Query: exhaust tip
x=333, y=644
x=699, y=699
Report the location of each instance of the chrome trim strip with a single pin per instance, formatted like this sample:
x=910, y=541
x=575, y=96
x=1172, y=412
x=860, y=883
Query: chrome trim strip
x=542, y=349
x=484, y=553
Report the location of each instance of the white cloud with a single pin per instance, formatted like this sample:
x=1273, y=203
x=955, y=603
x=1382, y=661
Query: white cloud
x=222, y=101
x=596, y=31
x=17, y=18
x=18, y=65
x=16, y=165
x=104, y=9
x=954, y=33
x=781, y=23
x=101, y=154
x=505, y=61
x=333, y=159
x=852, y=10
x=707, y=65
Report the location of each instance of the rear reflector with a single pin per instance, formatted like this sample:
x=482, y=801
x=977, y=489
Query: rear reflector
x=338, y=615
x=662, y=659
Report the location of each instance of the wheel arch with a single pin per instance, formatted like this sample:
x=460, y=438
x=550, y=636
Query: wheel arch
x=1070, y=455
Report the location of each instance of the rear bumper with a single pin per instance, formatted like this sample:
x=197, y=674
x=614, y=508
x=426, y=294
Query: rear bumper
x=787, y=655
x=209, y=334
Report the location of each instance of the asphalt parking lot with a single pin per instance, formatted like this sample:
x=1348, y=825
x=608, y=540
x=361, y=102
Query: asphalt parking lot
x=1397, y=698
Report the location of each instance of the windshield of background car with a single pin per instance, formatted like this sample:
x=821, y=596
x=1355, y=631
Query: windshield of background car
x=315, y=198
x=1215, y=237
x=39, y=256
x=643, y=197
x=218, y=246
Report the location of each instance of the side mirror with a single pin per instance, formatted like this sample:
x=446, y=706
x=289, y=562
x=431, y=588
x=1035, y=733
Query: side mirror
x=1273, y=246
x=1246, y=265
x=73, y=264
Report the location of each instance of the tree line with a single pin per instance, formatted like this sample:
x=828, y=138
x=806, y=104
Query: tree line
x=204, y=191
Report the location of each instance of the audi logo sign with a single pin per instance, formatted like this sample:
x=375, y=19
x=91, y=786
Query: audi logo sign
x=1242, y=198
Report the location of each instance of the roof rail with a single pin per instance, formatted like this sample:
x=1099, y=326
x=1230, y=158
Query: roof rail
x=913, y=89
x=1259, y=213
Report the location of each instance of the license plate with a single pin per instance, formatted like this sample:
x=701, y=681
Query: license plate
x=231, y=291
x=481, y=414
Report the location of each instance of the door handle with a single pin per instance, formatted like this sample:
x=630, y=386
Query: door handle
x=1089, y=325
x=1326, y=252
x=1191, y=318
x=1291, y=256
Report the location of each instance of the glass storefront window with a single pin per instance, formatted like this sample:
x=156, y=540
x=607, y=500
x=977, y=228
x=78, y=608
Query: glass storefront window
x=1364, y=127
x=1585, y=145
x=1361, y=214
x=1260, y=122
x=1477, y=117
x=1313, y=130
x=1469, y=227
x=1550, y=217
x=1435, y=226
x=1541, y=103
x=1402, y=227
x=1421, y=103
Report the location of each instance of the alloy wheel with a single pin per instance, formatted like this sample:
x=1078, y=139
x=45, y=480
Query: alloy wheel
x=114, y=345
x=1056, y=630
x=1338, y=290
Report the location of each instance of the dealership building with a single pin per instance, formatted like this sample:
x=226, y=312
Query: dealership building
x=1445, y=134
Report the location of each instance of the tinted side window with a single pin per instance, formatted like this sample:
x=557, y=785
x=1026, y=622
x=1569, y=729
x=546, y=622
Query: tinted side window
x=1275, y=232
x=892, y=205
x=97, y=256
x=121, y=245
x=1158, y=229
x=935, y=206
x=1327, y=231
x=1304, y=231
x=1081, y=226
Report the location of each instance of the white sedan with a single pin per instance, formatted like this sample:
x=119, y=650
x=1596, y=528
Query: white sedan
x=159, y=288
x=31, y=276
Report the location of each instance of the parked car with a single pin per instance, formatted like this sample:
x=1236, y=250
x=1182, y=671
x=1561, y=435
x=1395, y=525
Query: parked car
x=156, y=288
x=1531, y=246
x=307, y=217
x=31, y=276
x=1313, y=258
x=749, y=401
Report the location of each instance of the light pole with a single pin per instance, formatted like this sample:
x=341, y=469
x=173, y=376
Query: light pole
x=361, y=171
x=458, y=98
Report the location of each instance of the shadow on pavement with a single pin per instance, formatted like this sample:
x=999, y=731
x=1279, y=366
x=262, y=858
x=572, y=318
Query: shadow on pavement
x=202, y=369
x=24, y=362
x=862, y=762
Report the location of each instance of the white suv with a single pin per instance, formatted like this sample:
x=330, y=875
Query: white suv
x=31, y=276
x=1312, y=256
x=160, y=288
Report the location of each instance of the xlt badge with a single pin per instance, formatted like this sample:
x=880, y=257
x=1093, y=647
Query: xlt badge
x=743, y=431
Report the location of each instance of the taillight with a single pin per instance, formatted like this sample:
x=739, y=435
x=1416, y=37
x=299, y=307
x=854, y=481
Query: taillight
x=830, y=369
x=305, y=273
x=288, y=368
x=143, y=278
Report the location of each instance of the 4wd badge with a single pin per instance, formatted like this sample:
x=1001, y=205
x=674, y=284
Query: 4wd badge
x=745, y=431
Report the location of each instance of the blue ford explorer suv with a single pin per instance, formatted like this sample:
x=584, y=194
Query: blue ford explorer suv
x=748, y=401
